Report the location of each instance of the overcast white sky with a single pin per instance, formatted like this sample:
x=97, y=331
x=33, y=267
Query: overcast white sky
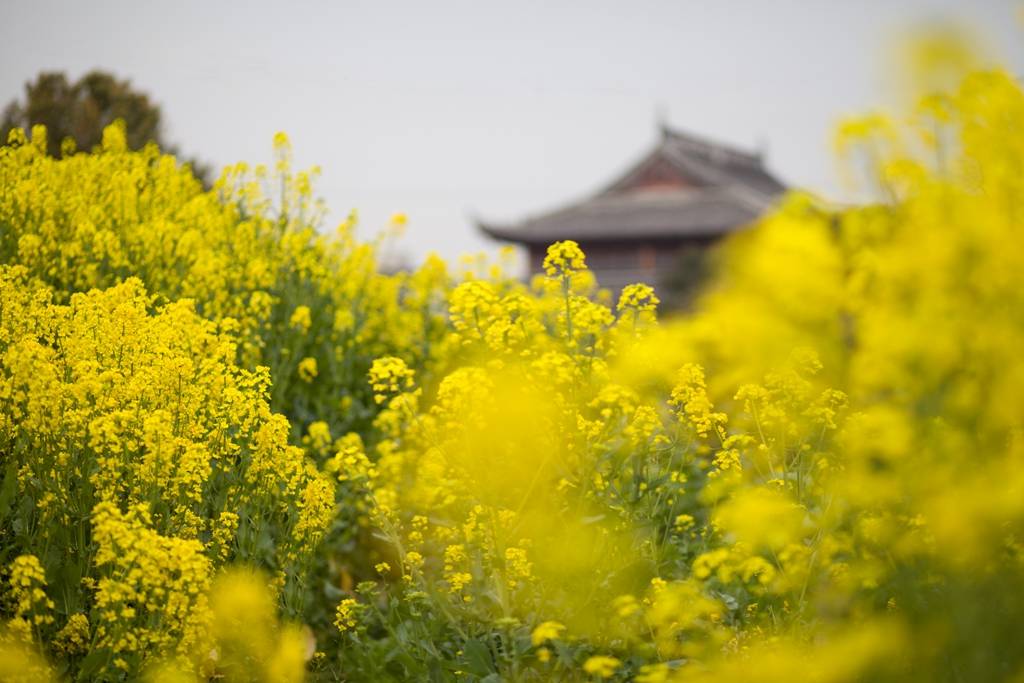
x=447, y=110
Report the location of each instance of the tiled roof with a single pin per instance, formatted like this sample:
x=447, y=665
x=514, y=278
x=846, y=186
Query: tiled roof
x=726, y=189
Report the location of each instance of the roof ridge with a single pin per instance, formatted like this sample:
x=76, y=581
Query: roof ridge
x=750, y=197
x=713, y=149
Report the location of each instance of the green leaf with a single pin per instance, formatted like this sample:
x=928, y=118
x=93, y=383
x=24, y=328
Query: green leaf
x=9, y=488
x=478, y=658
x=92, y=664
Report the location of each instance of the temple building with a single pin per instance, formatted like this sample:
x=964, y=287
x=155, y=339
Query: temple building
x=654, y=222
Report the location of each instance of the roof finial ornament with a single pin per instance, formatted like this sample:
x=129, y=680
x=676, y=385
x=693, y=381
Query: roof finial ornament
x=762, y=148
x=661, y=119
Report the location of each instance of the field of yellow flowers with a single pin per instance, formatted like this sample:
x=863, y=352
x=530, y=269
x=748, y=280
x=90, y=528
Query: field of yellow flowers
x=232, y=448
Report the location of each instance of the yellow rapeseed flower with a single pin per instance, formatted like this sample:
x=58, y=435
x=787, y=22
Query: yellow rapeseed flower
x=601, y=666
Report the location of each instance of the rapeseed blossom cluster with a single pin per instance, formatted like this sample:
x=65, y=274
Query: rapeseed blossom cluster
x=778, y=487
x=232, y=449
x=140, y=457
x=247, y=252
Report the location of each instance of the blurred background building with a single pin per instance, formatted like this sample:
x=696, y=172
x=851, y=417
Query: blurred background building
x=655, y=222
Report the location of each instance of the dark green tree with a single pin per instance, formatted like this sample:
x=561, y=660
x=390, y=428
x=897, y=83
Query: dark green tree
x=82, y=109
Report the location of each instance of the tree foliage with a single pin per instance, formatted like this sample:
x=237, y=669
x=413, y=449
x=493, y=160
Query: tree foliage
x=80, y=110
